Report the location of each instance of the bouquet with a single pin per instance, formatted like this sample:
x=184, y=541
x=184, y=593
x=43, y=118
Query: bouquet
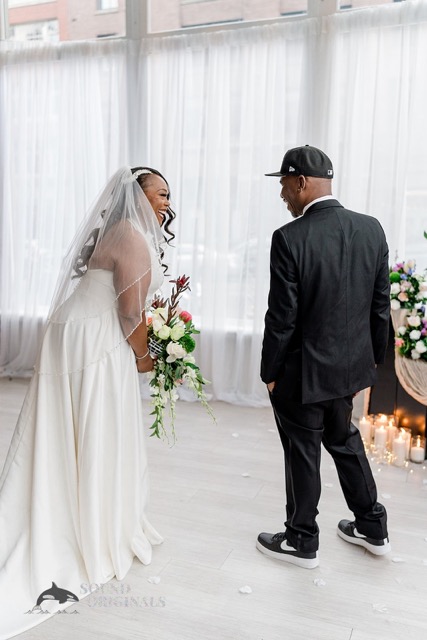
x=171, y=342
x=408, y=289
x=411, y=338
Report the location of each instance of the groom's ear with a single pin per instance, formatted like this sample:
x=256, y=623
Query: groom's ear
x=302, y=183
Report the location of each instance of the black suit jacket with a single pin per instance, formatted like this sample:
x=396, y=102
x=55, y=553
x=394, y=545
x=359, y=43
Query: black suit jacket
x=328, y=309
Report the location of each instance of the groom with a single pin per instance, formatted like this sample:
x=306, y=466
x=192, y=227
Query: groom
x=326, y=329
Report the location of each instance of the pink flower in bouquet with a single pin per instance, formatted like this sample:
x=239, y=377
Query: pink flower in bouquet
x=398, y=342
x=402, y=296
x=185, y=316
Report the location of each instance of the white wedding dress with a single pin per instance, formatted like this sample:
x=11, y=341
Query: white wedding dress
x=73, y=492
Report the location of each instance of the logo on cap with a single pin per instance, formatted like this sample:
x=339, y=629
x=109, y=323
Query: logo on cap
x=291, y=169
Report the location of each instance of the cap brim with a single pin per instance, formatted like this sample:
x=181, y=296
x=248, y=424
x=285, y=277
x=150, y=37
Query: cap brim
x=278, y=174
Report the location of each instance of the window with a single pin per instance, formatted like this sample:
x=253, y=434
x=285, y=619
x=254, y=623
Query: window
x=107, y=5
x=46, y=31
x=22, y=3
x=356, y=4
x=180, y=14
x=51, y=20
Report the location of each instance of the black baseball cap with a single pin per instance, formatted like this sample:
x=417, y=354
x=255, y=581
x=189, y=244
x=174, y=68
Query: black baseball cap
x=305, y=161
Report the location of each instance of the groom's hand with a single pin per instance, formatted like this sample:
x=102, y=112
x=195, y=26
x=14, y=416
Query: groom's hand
x=271, y=386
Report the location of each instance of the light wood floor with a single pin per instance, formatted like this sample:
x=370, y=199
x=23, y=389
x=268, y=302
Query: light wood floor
x=210, y=515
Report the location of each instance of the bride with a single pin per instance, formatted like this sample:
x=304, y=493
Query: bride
x=73, y=491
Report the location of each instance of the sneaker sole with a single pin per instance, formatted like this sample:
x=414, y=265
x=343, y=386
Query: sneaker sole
x=376, y=551
x=305, y=563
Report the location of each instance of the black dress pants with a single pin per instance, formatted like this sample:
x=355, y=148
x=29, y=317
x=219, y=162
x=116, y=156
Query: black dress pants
x=302, y=429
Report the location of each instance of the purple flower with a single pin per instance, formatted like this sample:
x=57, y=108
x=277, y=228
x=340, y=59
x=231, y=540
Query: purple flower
x=424, y=332
x=403, y=276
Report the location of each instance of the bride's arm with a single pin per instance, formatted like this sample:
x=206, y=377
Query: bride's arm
x=138, y=342
x=132, y=277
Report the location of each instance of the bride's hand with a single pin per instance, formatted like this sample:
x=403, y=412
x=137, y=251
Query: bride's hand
x=144, y=365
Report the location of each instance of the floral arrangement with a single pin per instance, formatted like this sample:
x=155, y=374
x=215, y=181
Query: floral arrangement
x=408, y=289
x=171, y=342
x=411, y=338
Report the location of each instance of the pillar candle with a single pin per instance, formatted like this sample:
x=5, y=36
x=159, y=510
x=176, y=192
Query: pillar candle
x=381, y=420
x=399, y=451
x=391, y=434
x=417, y=451
x=406, y=435
x=380, y=438
x=365, y=428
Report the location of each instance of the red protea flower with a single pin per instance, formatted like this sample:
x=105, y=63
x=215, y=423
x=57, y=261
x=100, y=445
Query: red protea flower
x=185, y=316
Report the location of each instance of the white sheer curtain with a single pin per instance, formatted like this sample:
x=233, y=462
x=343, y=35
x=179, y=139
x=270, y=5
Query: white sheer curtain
x=213, y=112
x=64, y=131
x=221, y=116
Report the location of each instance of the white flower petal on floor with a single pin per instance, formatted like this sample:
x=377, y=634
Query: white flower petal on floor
x=398, y=559
x=246, y=475
x=154, y=579
x=379, y=607
x=386, y=496
x=425, y=562
x=272, y=430
x=235, y=435
x=245, y=589
x=328, y=485
x=319, y=582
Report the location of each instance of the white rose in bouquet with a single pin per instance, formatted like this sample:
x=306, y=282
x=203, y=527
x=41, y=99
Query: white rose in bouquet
x=415, y=355
x=164, y=332
x=401, y=330
x=395, y=288
x=159, y=318
x=395, y=304
x=420, y=346
x=177, y=330
x=415, y=334
x=414, y=321
x=175, y=351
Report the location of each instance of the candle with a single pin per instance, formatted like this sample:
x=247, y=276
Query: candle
x=391, y=433
x=399, y=451
x=382, y=420
x=417, y=450
x=380, y=438
x=406, y=435
x=365, y=428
